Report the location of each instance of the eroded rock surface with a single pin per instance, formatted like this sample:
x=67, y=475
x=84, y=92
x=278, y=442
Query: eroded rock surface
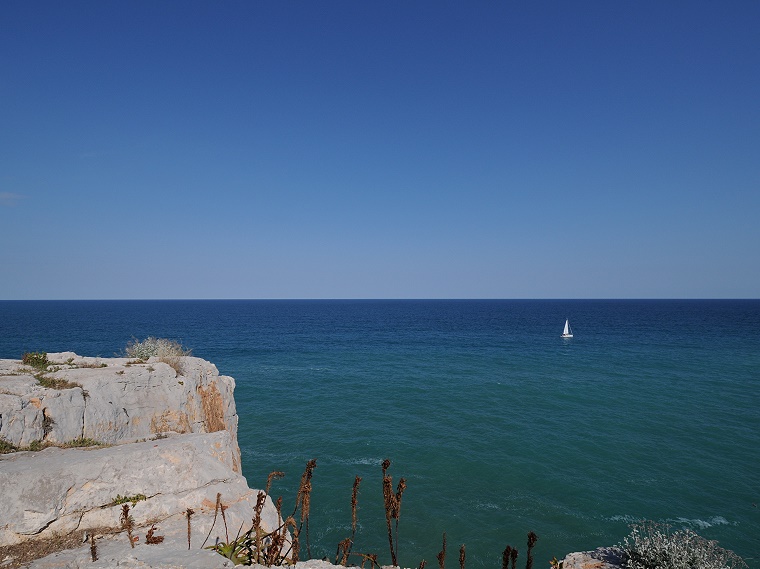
x=602, y=558
x=171, y=445
x=114, y=400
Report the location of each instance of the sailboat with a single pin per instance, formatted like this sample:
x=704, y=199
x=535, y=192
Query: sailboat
x=568, y=332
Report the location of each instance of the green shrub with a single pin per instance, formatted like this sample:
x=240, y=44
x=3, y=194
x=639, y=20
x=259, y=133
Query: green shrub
x=654, y=546
x=37, y=360
x=6, y=447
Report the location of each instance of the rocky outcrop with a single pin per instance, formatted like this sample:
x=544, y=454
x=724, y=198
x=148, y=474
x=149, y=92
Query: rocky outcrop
x=168, y=443
x=62, y=490
x=602, y=558
x=114, y=401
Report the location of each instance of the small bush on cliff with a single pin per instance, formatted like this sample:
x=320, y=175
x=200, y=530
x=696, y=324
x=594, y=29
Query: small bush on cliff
x=6, y=447
x=654, y=546
x=167, y=351
x=37, y=360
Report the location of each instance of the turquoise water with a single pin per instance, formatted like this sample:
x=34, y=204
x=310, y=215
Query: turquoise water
x=499, y=426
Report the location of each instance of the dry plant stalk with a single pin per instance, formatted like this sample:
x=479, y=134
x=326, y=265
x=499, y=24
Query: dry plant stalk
x=216, y=512
x=222, y=507
x=127, y=522
x=303, y=499
x=278, y=507
x=422, y=564
x=346, y=545
x=372, y=558
x=189, y=512
x=532, y=539
x=397, y=507
x=392, y=507
x=151, y=538
x=505, y=555
x=296, y=543
x=279, y=538
x=273, y=476
x=442, y=554
x=461, y=557
x=514, y=557
x=93, y=548
x=260, y=500
x=290, y=523
x=354, y=497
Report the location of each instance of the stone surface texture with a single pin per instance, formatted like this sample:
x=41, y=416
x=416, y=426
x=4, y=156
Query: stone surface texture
x=602, y=558
x=172, y=443
x=115, y=401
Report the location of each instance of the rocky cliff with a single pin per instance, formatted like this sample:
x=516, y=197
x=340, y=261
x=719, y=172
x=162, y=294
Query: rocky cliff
x=113, y=400
x=115, y=431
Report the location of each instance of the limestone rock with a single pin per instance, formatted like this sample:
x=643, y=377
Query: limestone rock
x=61, y=490
x=602, y=558
x=175, y=448
x=114, y=400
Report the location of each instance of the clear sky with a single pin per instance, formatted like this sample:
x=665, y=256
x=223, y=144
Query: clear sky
x=394, y=149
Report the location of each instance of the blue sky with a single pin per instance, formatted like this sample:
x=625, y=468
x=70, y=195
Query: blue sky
x=427, y=149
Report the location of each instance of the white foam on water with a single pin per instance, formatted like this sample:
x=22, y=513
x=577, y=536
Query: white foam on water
x=365, y=461
x=688, y=523
x=701, y=524
x=487, y=506
x=625, y=518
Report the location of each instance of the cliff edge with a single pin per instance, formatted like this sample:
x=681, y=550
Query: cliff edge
x=82, y=436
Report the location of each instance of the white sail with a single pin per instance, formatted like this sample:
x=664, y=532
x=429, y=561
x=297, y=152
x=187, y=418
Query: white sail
x=567, y=332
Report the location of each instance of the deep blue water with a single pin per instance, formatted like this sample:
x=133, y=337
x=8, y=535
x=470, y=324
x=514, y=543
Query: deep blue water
x=652, y=411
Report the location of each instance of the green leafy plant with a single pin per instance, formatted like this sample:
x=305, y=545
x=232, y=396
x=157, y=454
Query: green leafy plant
x=654, y=546
x=36, y=446
x=6, y=447
x=37, y=360
x=128, y=499
x=256, y=545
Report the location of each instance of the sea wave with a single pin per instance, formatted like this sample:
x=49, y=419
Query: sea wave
x=685, y=523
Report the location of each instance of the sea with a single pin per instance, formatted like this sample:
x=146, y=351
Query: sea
x=498, y=426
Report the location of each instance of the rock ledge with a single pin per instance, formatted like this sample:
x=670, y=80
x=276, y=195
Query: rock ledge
x=169, y=445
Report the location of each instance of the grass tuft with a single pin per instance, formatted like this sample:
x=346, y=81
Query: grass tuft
x=81, y=442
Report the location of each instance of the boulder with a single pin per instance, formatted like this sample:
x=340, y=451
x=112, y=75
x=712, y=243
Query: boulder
x=602, y=558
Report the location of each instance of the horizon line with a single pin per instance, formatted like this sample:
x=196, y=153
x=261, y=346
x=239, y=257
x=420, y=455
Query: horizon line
x=366, y=299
